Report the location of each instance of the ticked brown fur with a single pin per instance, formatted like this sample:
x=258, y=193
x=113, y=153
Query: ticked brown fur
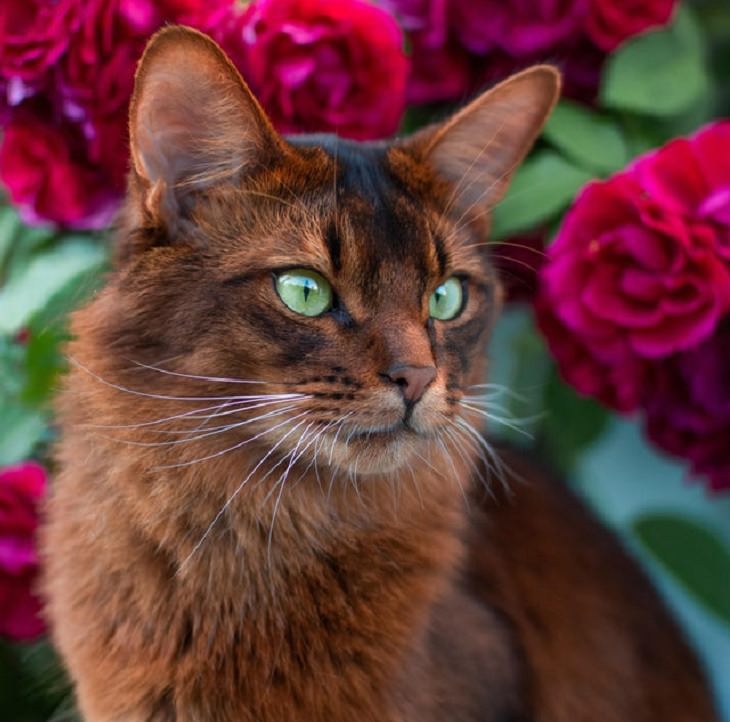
x=332, y=556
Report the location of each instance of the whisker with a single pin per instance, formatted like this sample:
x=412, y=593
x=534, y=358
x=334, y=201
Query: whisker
x=498, y=419
x=145, y=394
x=239, y=445
x=211, y=432
x=233, y=496
x=193, y=414
x=497, y=465
x=221, y=379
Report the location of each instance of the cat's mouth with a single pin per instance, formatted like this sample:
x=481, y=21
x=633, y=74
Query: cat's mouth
x=397, y=432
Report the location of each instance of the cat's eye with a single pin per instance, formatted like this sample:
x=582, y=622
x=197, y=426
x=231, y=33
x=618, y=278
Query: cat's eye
x=304, y=291
x=447, y=300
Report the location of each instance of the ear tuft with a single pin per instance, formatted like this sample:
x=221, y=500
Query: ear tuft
x=193, y=121
x=479, y=148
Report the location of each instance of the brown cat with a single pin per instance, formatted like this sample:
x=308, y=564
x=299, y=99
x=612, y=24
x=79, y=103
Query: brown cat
x=271, y=504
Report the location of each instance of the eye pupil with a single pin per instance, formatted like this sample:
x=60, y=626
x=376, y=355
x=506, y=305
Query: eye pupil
x=447, y=300
x=303, y=291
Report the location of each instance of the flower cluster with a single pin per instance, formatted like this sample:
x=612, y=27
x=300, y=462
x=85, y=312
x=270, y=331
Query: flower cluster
x=635, y=299
x=67, y=72
x=461, y=44
x=21, y=489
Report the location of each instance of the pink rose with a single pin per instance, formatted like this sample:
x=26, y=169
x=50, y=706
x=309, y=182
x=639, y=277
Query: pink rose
x=47, y=181
x=21, y=489
x=440, y=73
x=96, y=74
x=610, y=22
x=688, y=408
x=629, y=276
x=34, y=34
x=327, y=65
x=520, y=27
x=635, y=297
x=440, y=67
x=618, y=383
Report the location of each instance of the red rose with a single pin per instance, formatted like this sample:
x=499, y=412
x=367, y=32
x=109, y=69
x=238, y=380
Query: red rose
x=327, y=65
x=610, y=22
x=34, y=34
x=46, y=180
x=520, y=27
x=21, y=489
x=688, y=408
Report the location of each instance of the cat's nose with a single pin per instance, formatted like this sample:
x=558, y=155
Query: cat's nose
x=412, y=380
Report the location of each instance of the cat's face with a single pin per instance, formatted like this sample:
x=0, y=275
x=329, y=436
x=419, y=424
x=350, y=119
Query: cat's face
x=352, y=279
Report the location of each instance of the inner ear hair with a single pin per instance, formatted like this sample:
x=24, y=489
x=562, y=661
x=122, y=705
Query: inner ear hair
x=193, y=122
x=478, y=149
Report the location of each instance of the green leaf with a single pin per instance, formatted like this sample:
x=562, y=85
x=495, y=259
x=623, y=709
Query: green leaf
x=544, y=185
x=43, y=363
x=46, y=274
x=659, y=73
x=591, y=140
x=693, y=554
x=21, y=428
x=572, y=424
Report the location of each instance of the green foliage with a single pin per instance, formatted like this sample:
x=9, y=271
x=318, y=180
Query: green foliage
x=43, y=278
x=593, y=141
x=659, y=73
x=60, y=269
x=572, y=424
x=693, y=554
x=543, y=187
x=32, y=683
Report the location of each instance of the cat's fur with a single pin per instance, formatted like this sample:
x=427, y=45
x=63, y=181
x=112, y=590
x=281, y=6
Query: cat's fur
x=381, y=583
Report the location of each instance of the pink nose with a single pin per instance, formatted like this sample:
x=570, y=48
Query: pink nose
x=413, y=380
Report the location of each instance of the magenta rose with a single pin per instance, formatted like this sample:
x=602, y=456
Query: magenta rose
x=519, y=27
x=46, y=180
x=628, y=276
x=34, y=34
x=610, y=22
x=327, y=65
x=21, y=489
x=617, y=383
x=440, y=67
x=688, y=408
x=96, y=74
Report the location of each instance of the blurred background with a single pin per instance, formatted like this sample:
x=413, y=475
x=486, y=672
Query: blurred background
x=612, y=358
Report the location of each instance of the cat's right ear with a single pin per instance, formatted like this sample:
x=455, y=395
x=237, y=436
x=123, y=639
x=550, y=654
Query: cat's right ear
x=193, y=122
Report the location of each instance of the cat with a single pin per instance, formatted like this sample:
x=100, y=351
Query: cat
x=273, y=500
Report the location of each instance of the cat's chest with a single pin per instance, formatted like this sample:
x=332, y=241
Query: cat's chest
x=465, y=669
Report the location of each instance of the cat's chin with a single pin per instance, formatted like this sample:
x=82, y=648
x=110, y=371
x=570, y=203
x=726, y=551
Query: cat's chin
x=378, y=451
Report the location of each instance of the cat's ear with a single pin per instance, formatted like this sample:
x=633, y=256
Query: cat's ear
x=193, y=121
x=478, y=148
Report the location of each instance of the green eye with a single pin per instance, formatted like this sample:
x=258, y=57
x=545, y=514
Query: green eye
x=304, y=291
x=447, y=300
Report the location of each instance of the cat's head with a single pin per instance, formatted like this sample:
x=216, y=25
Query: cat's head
x=351, y=278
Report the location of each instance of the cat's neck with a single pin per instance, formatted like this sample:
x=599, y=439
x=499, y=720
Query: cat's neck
x=328, y=584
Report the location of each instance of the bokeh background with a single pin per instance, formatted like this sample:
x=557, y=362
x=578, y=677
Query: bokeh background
x=612, y=358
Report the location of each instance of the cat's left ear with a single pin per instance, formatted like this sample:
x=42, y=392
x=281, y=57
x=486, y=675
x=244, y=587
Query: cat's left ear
x=478, y=149
x=193, y=122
